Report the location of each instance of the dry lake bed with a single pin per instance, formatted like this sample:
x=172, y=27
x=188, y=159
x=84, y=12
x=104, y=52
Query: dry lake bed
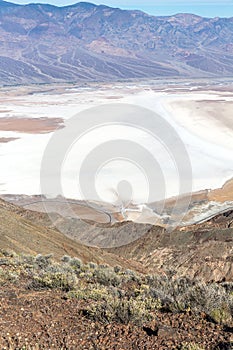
x=200, y=112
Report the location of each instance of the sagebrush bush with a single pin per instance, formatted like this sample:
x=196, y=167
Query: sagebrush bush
x=106, y=277
x=76, y=263
x=66, y=259
x=120, y=310
x=92, y=265
x=114, y=294
x=4, y=261
x=90, y=292
x=43, y=260
x=191, y=346
x=8, y=276
x=181, y=294
x=57, y=280
x=117, y=269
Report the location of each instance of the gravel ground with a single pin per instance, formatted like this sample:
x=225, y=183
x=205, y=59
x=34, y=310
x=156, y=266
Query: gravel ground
x=48, y=320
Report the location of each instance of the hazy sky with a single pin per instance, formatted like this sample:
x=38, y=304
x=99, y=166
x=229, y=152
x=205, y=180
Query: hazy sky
x=208, y=8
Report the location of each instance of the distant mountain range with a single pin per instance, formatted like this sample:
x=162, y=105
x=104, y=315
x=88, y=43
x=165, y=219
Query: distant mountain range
x=85, y=42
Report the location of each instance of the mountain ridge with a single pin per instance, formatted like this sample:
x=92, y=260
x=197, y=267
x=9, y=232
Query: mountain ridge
x=42, y=43
x=88, y=4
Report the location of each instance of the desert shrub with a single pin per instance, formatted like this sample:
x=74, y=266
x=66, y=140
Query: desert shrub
x=228, y=286
x=221, y=315
x=181, y=294
x=43, y=261
x=57, y=280
x=191, y=346
x=120, y=310
x=115, y=294
x=106, y=277
x=59, y=268
x=7, y=253
x=169, y=286
x=130, y=276
x=117, y=269
x=103, y=266
x=129, y=272
x=29, y=260
x=4, y=261
x=89, y=292
x=66, y=259
x=168, y=291
x=92, y=265
x=26, y=261
x=76, y=263
x=212, y=299
x=8, y=276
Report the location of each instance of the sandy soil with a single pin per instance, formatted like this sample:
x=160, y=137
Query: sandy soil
x=29, y=125
x=222, y=194
x=7, y=139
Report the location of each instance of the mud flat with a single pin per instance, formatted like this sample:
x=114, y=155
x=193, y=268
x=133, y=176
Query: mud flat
x=29, y=125
x=7, y=139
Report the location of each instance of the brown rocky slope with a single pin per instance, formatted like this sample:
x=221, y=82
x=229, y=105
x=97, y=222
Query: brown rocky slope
x=74, y=304
x=204, y=251
x=24, y=236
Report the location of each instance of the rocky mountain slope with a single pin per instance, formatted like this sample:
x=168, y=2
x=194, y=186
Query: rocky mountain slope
x=157, y=292
x=44, y=43
x=203, y=250
x=25, y=235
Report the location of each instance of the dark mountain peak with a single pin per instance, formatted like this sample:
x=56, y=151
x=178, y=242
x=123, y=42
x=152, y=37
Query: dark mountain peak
x=86, y=4
x=7, y=4
x=82, y=4
x=186, y=18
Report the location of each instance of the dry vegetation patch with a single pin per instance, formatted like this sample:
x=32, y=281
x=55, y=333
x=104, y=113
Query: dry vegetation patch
x=159, y=309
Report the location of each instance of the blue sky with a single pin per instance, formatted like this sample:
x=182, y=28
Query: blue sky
x=208, y=8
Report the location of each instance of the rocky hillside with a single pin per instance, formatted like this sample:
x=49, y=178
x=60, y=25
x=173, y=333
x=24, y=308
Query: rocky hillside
x=85, y=42
x=159, y=292
x=203, y=251
x=25, y=235
x=71, y=305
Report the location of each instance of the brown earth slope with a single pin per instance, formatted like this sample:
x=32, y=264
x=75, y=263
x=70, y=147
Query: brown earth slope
x=52, y=306
x=22, y=235
x=204, y=251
